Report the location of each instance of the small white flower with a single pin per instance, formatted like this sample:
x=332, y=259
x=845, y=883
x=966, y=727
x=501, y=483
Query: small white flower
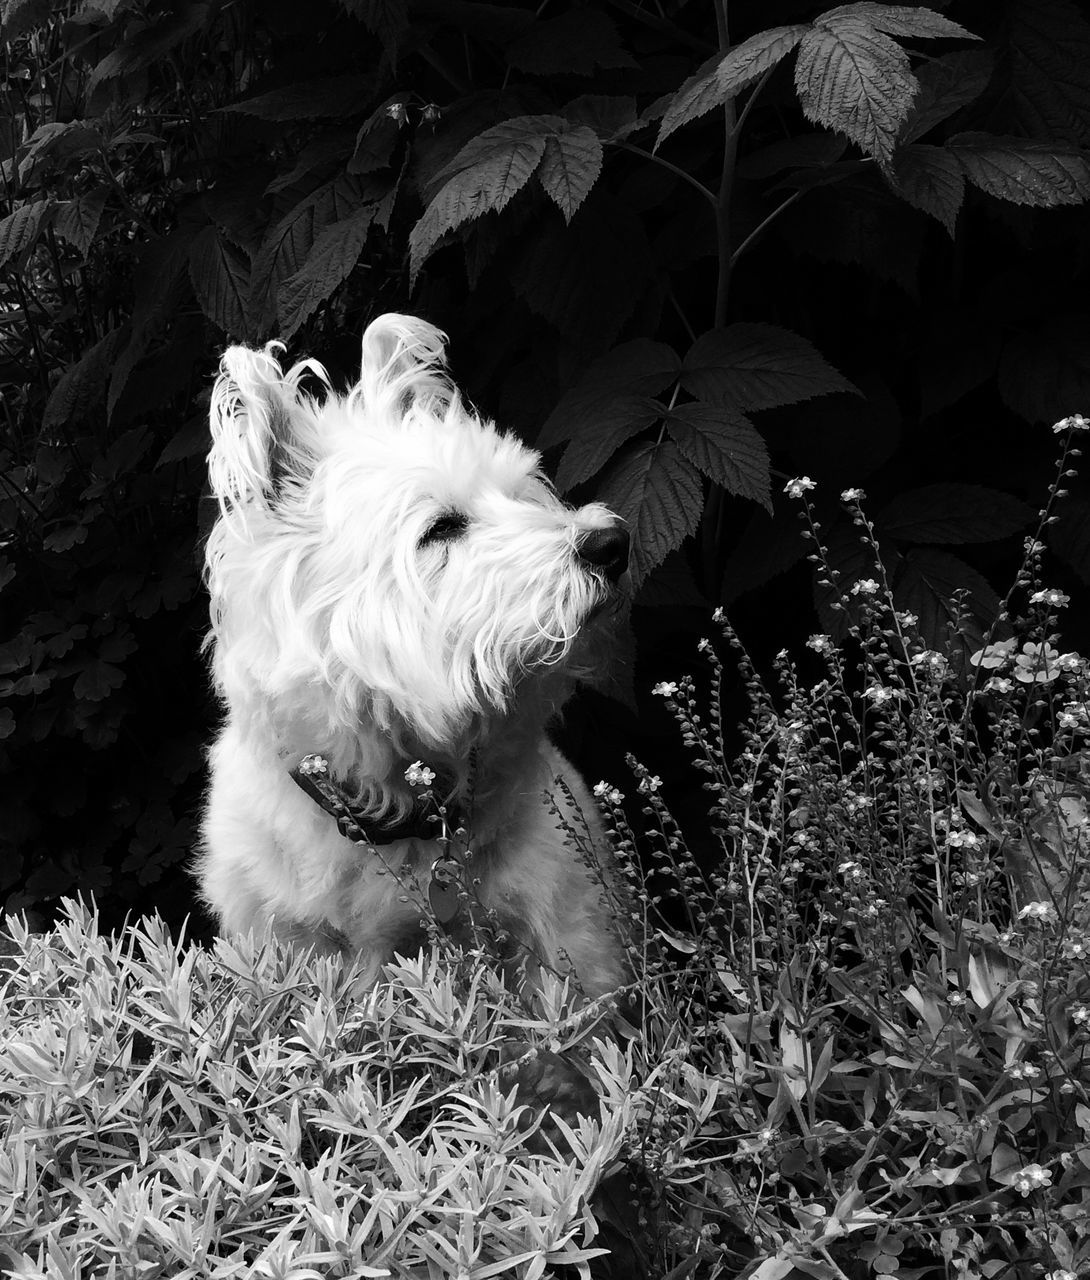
x=1080, y=1014
x=1076, y=422
x=796, y=488
x=852, y=495
x=665, y=689
x=1030, y=1177
x=955, y=998
x=963, y=839
x=397, y=112
x=1060, y=1273
x=419, y=775
x=994, y=655
x=1050, y=595
x=998, y=684
x=1024, y=1071
x=719, y=615
x=820, y=644
x=907, y=619
x=879, y=694
x=865, y=587
x=1038, y=911
x=703, y=646
x=649, y=784
x=310, y=766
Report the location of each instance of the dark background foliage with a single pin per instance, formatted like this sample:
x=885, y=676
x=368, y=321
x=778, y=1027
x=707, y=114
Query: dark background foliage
x=856, y=249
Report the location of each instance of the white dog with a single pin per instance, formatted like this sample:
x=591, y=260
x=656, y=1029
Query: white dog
x=399, y=599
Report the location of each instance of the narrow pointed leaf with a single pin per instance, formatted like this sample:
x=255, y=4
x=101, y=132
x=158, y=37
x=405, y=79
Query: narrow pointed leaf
x=221, y=280
x=329, y=263
x=77, y=220
x=21, y=228
x=1024, y=172
x=931, y=179
x=660, y=495
x=757, y=366
x=570, y=167
x=726, y=446
x=900, y=20
x=723, y=77
x=639, y=368
x=615, y=423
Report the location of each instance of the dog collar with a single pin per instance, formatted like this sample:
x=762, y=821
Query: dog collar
x=444, y=887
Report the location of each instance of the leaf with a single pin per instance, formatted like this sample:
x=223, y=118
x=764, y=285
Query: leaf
x=852, y=78
x=955, y=513
x=724, y=444
x=1035, y=173
x=1044, y=372
x=570, y=167
x=757, y=366
x=150, y=43
x=1047, y=54
x=610, y=117
x=77, y=220
x=57, y=142
x=328, y=265
x=617, y=420
x=660, y=495
x=925, y=586
x=930, y=179
x=82, y=386
x=486, y=174
x=807, y=150
x=947, y=84
x=17, y=17
x=640, y=367
x=220, y=274
x=900, y=20
x=575, y=43
x=387, y=19
x=20, y=229
x=97, y=679
x=334, y=97
x=723, y=77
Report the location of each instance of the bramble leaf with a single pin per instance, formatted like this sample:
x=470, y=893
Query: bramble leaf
x=1047, y=56
x=660, y=495
x=726, y=446
x=570, y=167
x=619, y=418
x=334, y=97
x=853, y=78
x=954, y=513
x=1034, y=173
x=335, y=252
x=930, y=179
x=82, y=385
x=947, y=84
x=639, y=368
x=484, y=176
x=77, y=220
x=926, y=585
x=722, y=77
x=900, y=20
x=221, y=275
x=757, y=366
x=21, y=228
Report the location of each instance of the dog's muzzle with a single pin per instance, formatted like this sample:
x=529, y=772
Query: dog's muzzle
x=605, y=550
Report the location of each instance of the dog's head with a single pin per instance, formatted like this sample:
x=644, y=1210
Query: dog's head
x=385, y=561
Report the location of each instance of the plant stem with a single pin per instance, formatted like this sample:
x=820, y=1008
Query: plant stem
x=726, y=180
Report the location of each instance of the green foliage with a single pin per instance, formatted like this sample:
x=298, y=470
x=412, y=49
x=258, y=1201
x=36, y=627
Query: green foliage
x=683, y=254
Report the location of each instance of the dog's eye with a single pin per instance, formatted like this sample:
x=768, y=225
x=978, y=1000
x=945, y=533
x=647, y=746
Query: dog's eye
x=450, y=525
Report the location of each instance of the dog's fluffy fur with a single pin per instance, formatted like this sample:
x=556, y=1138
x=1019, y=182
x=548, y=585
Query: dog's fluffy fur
x=393, y=580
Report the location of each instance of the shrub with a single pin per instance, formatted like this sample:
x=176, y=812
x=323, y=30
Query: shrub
x=863, y=1045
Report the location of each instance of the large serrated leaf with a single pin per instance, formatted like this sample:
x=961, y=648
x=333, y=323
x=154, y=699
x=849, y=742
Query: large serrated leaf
x=1035, y=173
x=947, y=84
x=20, y=229
x=220, y=274
x=82, y=386
x=637, y=368
x=726, y=446
x=660, y=495
x=930, y=179
x=77, y=220
x=953, y=513
x=856, y=80
x=757, y=366
x=926, y=585
x=570, y=167
x=1044, y=371
x=486, y=175
x=615, y=423
x=723, y=77
x=899, y=20
x=334, y=97
x=332, y=257
x=1048, y=56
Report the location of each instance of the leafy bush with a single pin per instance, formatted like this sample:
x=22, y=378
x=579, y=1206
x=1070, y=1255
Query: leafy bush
x=657, y=239
x=862, y=1049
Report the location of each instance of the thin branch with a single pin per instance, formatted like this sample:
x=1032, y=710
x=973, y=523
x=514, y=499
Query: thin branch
x=666, y=164
x=786, y=204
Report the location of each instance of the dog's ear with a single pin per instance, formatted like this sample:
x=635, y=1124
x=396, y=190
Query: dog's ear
x=403, y=359
x=255, y=416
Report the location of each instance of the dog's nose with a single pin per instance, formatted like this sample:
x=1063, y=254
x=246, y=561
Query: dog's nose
x=605, y=549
